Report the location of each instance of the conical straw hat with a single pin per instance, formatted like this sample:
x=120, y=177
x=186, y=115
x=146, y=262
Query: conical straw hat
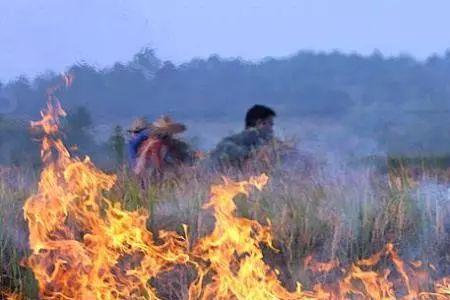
x=165, y=125
x=139, y=124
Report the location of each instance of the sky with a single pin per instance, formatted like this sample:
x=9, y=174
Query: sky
x=41, y=35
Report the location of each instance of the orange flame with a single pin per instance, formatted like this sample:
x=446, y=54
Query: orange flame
x=83, y=245
x=443, y=287
x=233, y=265
x=10, y=296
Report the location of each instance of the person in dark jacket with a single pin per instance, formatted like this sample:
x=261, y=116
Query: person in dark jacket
x=236, y=150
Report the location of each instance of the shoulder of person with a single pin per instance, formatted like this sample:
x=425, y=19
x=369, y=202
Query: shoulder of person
x=231, y=139
x=228, y=145
x=253, y=136
x=180, y=145
x=140, y=136
x=242, y=137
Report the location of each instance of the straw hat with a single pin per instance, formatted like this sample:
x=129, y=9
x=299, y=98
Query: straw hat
x=139, y=124
x=165, y=125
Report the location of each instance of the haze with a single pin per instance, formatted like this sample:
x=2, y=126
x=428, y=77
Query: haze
x=36, y=36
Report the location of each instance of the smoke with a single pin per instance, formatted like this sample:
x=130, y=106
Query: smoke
x=8, y=103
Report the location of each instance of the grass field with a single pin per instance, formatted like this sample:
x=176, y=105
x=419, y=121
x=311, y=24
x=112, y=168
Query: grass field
x=338, y=213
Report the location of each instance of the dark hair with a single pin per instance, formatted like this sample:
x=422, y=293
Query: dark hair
x=258, y=112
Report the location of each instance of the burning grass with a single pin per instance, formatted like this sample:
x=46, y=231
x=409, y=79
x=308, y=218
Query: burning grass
x=343, y=233
x=321, y=228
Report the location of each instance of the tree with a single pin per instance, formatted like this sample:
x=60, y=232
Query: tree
x=77, y=128
x=117, y=145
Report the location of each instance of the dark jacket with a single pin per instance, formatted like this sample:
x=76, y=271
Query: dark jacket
x=234, y=150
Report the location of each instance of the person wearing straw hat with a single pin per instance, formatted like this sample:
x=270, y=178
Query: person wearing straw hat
x=161, y=150
x=139, y=132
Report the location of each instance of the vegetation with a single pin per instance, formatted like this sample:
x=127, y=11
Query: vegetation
x=343, y=213
x=394, y=105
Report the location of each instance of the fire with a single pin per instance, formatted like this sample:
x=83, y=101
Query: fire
x=443, y=288
x=362, y=281
x=373, y=284
x=10, y=296
x=83, y=245
x=233, y=265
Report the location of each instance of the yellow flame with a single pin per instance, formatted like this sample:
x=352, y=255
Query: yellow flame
x=83, y=245
x=10, y=296
x=233, y=266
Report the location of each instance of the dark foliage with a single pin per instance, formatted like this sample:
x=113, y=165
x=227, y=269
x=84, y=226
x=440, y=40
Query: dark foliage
x=401, y=103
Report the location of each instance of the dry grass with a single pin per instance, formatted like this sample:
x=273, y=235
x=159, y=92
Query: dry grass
x=339, y=212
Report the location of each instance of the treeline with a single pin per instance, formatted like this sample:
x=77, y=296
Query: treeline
x=399, y=102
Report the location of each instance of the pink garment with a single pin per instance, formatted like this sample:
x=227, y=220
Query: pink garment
x=151, y=154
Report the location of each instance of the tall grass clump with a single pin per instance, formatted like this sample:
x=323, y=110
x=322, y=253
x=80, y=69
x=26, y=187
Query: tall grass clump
x=15, y=186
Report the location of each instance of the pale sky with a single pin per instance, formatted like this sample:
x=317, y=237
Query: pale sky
x=40, y=35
